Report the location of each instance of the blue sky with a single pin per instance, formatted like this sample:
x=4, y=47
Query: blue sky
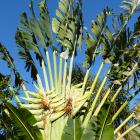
x=10, y=11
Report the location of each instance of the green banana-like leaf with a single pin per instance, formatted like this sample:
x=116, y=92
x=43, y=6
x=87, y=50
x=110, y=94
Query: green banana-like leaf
x=62, y=27
x=25, y=54
x=68, y=25
x=73, y=130
x=45, y=22
x=130, y=7
x=125, y=46
x=33, y=35
x=99, y=127
x=5, y=55
x=97, y=28
x=24, y=120
x=36, y=27
x=136, y=33
x=27, y=42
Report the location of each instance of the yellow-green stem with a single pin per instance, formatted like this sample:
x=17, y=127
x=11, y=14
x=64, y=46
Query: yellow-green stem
x=60, y=74
x=96, y=78
x=70, y=70
x=85, y=81
x=119, y=111
x=55, y=71
x=102, y=102
x=127, y=131
x=18, y=101
x=50, y=70
x=25, y=91
x=45, y=76
x=116, y=94
x=64, y=78
x=94, y=102
x=124, y=122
